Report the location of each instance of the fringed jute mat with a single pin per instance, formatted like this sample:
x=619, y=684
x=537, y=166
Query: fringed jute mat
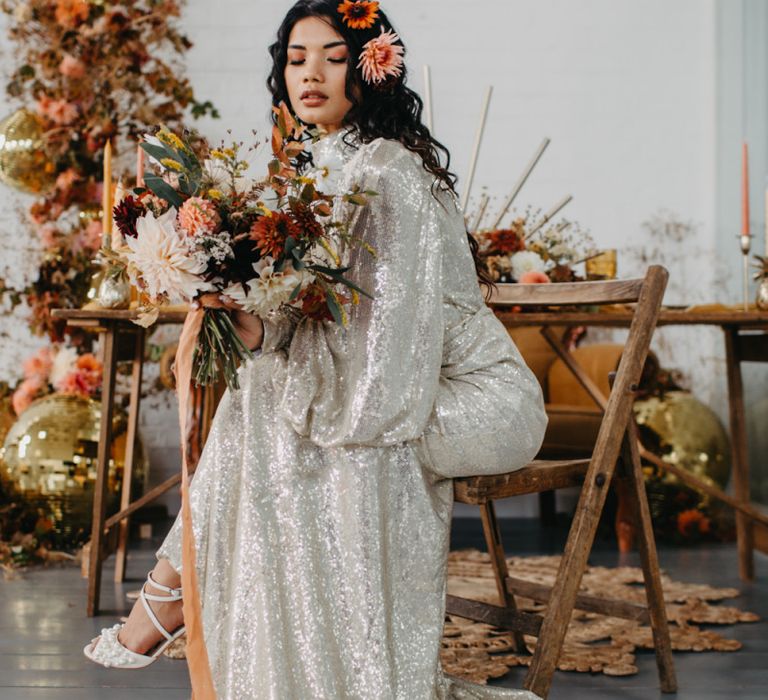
x=594, y=643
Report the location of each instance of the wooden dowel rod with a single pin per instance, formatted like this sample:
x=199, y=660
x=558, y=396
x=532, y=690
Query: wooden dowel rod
x=476, y=149
x=519, y=184
x=428, y=99
x=480, y=212
x=550, y=214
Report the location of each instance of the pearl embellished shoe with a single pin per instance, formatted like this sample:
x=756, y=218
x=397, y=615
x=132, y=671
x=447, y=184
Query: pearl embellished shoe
x=107, y=650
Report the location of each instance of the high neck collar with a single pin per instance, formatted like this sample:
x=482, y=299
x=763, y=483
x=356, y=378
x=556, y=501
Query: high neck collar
x=342, y=143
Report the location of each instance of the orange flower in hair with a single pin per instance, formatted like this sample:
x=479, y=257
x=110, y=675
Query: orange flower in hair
x=381, y=57
x=359, y=14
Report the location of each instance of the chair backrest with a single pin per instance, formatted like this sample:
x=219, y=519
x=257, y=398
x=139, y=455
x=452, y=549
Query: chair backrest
x=646, y=293
x=573, y=293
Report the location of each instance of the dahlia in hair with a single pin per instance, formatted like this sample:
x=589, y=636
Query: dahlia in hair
x=359, y=14
x=381, y=57
x=270, y=233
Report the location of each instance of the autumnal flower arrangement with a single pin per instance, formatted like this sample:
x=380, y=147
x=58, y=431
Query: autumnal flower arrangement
x=529, y=253
x=57, y=369
x=199, y=227
x=91, y=72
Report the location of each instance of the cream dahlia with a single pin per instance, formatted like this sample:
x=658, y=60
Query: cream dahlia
x=163, y=256
x=267, y=291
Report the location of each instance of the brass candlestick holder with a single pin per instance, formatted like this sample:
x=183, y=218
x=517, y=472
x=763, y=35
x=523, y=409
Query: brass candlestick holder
x=745, y=241
x=110, y=287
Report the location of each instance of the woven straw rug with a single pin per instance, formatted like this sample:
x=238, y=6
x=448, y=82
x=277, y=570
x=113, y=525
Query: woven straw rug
x=594, y=643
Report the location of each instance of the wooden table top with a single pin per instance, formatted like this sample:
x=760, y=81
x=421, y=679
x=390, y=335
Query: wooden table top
x=173, y=314
x=610, y=317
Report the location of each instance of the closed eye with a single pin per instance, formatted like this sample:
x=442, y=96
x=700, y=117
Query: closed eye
x=299, y=62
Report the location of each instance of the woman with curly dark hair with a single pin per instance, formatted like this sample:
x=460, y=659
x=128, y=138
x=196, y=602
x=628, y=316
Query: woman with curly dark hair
x=322, y=501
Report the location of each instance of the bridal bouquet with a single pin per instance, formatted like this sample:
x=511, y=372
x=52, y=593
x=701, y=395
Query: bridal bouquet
x=200, y=227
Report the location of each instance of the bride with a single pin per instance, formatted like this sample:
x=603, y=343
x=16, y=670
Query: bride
x=322, y=502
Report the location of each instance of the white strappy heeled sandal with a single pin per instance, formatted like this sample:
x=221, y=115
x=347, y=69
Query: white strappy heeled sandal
x=107, y=650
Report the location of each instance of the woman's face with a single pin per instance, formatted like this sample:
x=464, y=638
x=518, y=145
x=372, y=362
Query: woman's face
x=316, y=74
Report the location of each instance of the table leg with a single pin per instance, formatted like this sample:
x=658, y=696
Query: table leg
x=133, y=422
x=109, y=354
x=739, y=458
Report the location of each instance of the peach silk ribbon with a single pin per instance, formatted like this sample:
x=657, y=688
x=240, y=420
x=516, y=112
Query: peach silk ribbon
x=197, y=654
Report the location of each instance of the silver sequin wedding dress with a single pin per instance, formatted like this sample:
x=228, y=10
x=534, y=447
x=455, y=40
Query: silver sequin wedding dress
x=322, y=502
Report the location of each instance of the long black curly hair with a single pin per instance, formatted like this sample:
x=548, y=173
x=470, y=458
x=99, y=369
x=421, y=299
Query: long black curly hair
x=389, y=110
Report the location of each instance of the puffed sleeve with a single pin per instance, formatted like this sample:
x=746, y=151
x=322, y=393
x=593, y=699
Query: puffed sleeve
x=374, y=382
x=279, y=327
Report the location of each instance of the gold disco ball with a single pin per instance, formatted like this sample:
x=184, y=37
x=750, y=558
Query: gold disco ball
x=49, y=458
x=24, y=163
x=687, y=433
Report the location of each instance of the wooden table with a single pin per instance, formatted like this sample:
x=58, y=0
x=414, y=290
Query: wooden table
x=746, y=340
x=120, y=339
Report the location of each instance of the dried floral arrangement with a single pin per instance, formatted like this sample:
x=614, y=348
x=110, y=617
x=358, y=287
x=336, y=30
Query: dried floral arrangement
x=88, y=72
x=533, y=249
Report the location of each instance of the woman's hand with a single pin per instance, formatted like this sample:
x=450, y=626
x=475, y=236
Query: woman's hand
x=249, y=327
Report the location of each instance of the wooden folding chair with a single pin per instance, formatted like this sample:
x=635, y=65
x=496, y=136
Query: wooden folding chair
x=616, y=443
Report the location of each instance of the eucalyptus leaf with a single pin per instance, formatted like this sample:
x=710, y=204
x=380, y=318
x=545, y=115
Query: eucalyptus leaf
x=163, y=190
x=333, y=307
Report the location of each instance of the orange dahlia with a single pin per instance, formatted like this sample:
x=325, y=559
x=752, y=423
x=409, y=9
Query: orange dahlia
x=271, y=232
x=359, y=14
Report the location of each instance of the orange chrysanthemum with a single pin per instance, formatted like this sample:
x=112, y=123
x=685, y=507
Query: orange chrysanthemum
x=307, y=222
x=359, y=14
x=271, y=232
x=504, y=240
x=381, y=57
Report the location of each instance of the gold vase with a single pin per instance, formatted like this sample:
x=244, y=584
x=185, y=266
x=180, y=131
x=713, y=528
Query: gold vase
x=761, y=300
x=114, y=290
x=49, y=455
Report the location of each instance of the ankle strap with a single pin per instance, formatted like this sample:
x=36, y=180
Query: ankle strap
x=175, y=593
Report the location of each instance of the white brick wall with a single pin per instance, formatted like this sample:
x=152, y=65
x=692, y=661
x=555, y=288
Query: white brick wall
x=624, y=88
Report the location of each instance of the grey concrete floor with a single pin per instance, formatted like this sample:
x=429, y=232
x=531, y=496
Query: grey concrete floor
x=43, y=628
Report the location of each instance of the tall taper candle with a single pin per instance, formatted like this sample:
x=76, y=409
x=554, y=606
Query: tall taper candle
x=106, y=200
x=139, y=166
x=766, y=222
x=744, y=190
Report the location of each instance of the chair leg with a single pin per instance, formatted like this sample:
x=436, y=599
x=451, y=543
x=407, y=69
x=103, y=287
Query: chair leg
x=499, y=562
x=569, y=575
x=633, y=474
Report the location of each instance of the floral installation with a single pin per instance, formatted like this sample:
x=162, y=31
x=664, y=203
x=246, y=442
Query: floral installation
x=359, y=14
x=92, y=72
x=549, y=254
x=59, y=369
x=271, y=244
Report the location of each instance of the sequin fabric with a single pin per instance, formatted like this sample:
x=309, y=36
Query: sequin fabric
x=322, y=502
